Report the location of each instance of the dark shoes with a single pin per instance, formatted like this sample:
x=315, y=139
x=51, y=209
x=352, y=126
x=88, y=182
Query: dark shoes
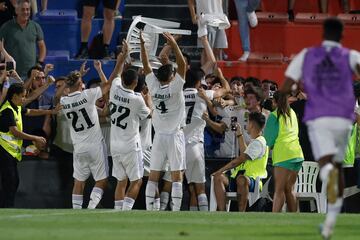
x=82, y=54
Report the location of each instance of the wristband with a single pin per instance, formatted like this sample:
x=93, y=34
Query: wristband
x=6, y=84
x=239, y=135
x=41, y=63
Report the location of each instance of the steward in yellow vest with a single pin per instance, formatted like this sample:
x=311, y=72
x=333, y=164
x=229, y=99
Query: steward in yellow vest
x=11, y=138
x=281, y=134
x=252, y=160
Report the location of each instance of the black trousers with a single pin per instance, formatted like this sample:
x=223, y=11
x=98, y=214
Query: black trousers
x=9, y=179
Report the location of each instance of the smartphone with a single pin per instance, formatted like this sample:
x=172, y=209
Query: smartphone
x=9, y=66
x=233, y=123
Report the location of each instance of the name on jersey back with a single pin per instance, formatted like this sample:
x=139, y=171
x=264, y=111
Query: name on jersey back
x=75, y=104
x=162, y=96
x=121, y=99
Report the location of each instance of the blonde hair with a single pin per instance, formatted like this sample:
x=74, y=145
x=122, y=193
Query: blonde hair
x=73, y=78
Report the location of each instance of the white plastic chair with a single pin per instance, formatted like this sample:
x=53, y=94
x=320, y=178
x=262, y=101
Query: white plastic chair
x=305, y=186
x=252, y=198
x=151, y=29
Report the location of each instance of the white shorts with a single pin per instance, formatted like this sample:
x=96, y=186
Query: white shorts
x=329, y=136
x=128, y=165
x=168, y=147
x=195, y=163
x=94, y=161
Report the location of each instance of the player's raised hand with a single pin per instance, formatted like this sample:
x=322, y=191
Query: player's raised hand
x=83, y=69
x=169, y=38
x=125, y=48
x=97, y=65
x=142, y=39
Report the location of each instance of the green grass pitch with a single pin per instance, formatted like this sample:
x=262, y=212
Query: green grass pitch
x=108, y=224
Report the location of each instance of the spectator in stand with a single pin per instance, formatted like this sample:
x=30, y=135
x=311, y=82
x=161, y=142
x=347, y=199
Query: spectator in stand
x=7, y=10
x=206, y=14
x=21, y=36
x=246, y=16
x=282, y=135
x=11, y=137
x=40, y=100
x=269, y=88
x=323, y=7
x=108, y=26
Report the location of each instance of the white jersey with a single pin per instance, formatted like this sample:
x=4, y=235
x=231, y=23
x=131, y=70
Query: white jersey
x=169, y=104
x=195, y=107
x=81, y=113
x=145, y=133
x=209, y=6
x=127, y=108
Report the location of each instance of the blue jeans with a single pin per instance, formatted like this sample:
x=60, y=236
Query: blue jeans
x=242, y=8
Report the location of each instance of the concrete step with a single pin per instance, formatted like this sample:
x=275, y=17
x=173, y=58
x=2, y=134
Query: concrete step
x=158, y=11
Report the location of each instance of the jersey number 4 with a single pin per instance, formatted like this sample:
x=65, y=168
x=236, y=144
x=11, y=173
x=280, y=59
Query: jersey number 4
x=162, y=107
x=124, y=113
x=74, y=116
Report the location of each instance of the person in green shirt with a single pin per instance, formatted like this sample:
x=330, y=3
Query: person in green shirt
x=281, y=134
x=21, y=37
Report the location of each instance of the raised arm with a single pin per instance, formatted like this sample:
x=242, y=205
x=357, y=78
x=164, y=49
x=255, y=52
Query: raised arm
x=98, y=67
x=120, y=61
x=224, y=83
x=210, y=59
x=105, y=88
x=180, y=60
x=37, y=92
x=144, y=56
x=166, y=51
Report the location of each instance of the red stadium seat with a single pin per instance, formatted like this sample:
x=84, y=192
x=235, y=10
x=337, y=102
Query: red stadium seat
x=311, y=17
x=272, y=17
x=350, y=18
x=273, y=58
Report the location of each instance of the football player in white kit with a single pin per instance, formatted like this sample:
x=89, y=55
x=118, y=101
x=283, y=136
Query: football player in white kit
x=90, y=156
x=194, y=131
x=166, y=90
x=127, y=108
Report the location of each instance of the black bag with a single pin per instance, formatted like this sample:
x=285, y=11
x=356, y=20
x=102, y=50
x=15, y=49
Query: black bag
x=96, y=49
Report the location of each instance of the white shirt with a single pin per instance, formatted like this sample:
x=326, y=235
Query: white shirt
x=294, y=70
x=256, y=149
x=209, y=6
x=195, y=107
x=169, y=104
x=145, y=133
x=81, y=113
x=127, y=108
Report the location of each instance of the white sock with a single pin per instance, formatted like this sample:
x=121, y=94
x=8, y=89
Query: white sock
x=176, y=195
x=157, y=204
x=150, y=191
x=118, y=205
x=164, y=200
x=128, y=204
x=333, y=211
x=203, y=202
x=193, y=208
x=77, y=201
x=95, y=197
x=325, y=170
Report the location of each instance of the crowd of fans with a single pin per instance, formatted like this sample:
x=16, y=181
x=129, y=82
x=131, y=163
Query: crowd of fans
x=242, y=118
